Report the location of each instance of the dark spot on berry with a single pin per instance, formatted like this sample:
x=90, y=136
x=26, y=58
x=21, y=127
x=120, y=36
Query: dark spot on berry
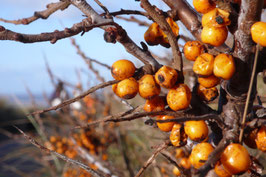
x=161, y=78
x=219, y=20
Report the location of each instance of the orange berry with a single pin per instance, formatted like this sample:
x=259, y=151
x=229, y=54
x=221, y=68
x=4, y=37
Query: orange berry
x=204, y=65
x=179, y=97
x=176, y=171
x=224, y=66
x=166, y=77
x=153, y=35
x=258, y=33
x=220, y=171
x=196, y=130
x=193, y=49
x=53, y=139
x=200, y=154
x=127, y=88
x=207, y=94
x=185, y=163
x=166, y=126
x=122, y=69
x=175, y=29
x=216, y=18
x=177, y=136
x=155, y=104
x=208, y=82
x=213, y=35
x=179, y=153
x=203, y=6
x=148, y=88
x=261, y=138
x=235, y=159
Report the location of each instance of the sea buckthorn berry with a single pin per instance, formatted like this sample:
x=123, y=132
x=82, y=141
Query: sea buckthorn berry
x=179, y=153
x=179, y=97
x=203, y=6
x=220, y=171
x=207, y=94
x=235, y=159
x=200, y=154
x=185, y=163
x=208, y=82
x=175, y=29
x=196, y=130
x=176, y=171
x=155, y=104
x=224, y=66
x=204, y=65
x=193, y=49
x=177, y=136
x=261, y=138
x=127, y=88
x=213, y=35
x=153, y=35
x=148, y=88
x=166, y=77
x=258, y=33
x=166, y=126
x=122, y=69
x=216, y=18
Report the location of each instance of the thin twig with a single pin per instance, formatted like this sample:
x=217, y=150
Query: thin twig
x=75, y=162
x=51, y=8
x=249, y=93
x=68, y=102
x=133, y=19
x=161, y=147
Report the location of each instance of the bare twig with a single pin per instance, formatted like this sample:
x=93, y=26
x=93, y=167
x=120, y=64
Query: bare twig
x=103, y=7
x=51, y=8
x=249, y=94
x=127, y=12
x=133, y=19
x=173, y=161
x=75, y=162
x=161, y=147
x=68, y=102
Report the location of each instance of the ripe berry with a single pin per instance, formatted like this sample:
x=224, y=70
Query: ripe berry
x=258, y=33
x=177, y=136
x=224, y=66
x=200, y=154
x=208, y=82
x=213, y=35
x=185, y=163
x=196, y=130
x=235, y=159
x=204, y=65
x=155, y=104
x=179, y=97
x=148, y=88
x=216, y=18
x=179, y=153
x=261, y=138
x=166, y=126
x=192, y=49
x=127, y=88
x=207, y=94
x=176, y=171
x=220, y=171
x=203, y=6
x=122, y=69
x=153, y=35
x=166, y=77
x=175, y=29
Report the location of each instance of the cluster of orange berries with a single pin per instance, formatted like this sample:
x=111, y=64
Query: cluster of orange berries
x=62, y=145
x=209, y=69
x=79, y=172
x=154, y=35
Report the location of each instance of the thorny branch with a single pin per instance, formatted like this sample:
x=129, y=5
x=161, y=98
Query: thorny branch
x=51, y=8
x=75, y=162
x=68, y=102
x=161, y=147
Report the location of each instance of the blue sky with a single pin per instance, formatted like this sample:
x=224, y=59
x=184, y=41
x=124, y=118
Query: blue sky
x=24, y=63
